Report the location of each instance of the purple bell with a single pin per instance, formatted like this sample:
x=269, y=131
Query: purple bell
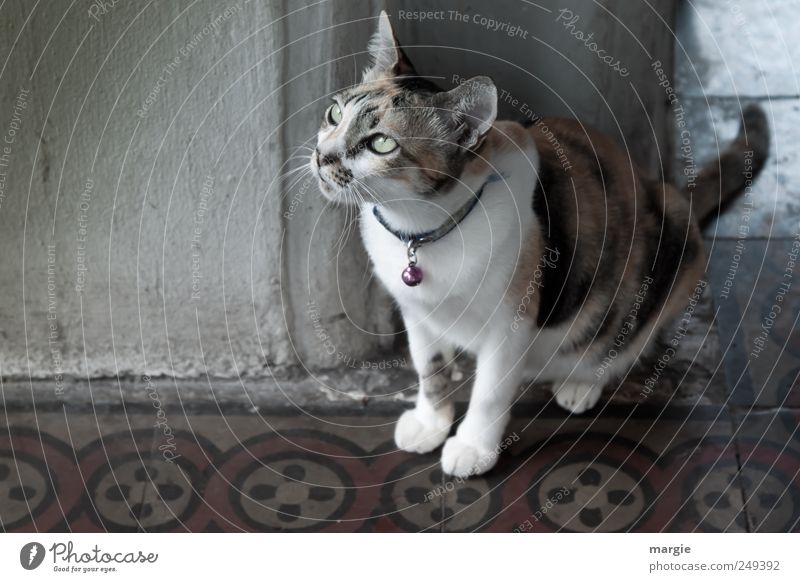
x=412, y=275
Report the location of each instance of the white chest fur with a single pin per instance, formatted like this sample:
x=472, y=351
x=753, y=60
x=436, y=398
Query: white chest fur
x=467, y=273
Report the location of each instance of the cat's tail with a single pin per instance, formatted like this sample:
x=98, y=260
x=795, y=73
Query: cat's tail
x=721, y=181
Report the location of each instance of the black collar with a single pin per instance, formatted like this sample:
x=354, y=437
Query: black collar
x=429, y=236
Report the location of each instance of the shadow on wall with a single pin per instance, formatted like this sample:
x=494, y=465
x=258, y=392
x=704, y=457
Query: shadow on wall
x=588, y=61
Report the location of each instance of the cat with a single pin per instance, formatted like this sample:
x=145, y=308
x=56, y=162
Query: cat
x=533, y=246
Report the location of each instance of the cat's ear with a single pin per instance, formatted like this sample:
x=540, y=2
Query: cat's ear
x=469, y=110
x=388, y=59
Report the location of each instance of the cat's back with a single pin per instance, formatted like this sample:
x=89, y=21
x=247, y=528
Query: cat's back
x=612, y=228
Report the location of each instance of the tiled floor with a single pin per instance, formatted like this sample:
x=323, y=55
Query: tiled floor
x=625, y=468
x=243, y=472
x=754, y=247
x=717, y=447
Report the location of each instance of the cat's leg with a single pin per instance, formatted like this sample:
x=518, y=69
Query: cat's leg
x=577, y=396
x=426, y=426
x=475, y=447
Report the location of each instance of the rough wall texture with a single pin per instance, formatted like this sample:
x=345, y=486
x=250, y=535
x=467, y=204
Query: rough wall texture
x=145, y=221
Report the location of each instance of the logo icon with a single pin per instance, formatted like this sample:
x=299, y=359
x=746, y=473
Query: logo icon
x=31, y=555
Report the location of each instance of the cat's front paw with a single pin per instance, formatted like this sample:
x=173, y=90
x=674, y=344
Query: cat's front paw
x=576, y=397
x=414, y=435
x=461, y=459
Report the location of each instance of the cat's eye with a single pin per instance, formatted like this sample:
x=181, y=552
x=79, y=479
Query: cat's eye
x=335, y=114
x=382, y=144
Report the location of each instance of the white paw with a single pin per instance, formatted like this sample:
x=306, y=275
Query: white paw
x=415, y=436
x=460, y=459
x=576, y=397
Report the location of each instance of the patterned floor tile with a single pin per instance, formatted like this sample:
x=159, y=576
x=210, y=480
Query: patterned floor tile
x=769, y=454
x=67, y=470
x=296, y=472
x=619, y=469
x=605, y=473
x=34, y=490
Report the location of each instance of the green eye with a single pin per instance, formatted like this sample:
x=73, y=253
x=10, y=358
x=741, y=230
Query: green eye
x=335, y=114
x=382, y=144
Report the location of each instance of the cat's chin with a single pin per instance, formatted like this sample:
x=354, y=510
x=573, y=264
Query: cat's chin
x=333, y=193
x=328, y=191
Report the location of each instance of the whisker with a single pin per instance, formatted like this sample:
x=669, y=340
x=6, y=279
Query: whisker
x=297, y=179
x=366, y=189
x=291, y=171
x=304, y=158
x=354, y=199
x=340, y=240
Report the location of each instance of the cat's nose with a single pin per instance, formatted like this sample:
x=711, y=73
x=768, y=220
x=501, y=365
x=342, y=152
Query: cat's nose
x=326, y=159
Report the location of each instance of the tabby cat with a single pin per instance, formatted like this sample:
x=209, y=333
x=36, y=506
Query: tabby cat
x=528, y=245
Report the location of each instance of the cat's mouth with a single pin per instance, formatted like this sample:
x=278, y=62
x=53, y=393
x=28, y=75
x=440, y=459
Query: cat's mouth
x=331, y=182
x=323, y=182
x=328, y=189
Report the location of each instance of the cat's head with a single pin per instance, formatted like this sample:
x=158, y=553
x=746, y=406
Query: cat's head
x=396, y=134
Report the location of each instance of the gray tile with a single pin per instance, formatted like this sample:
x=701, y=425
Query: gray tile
x=762, y=351
x=738, y=48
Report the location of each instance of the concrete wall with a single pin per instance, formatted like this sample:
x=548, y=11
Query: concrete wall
x=144, y=217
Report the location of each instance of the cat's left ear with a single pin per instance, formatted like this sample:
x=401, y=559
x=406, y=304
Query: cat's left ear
x=388, y=59
x=469, y=110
